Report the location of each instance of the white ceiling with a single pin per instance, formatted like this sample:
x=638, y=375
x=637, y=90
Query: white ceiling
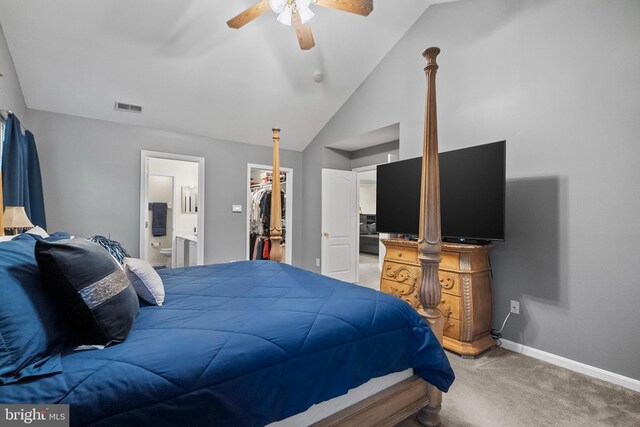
x=190, y=72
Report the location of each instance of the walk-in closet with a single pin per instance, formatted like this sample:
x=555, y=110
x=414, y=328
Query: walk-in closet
x=259, y=196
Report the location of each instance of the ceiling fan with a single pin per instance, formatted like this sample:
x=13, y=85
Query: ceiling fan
x=298, y=12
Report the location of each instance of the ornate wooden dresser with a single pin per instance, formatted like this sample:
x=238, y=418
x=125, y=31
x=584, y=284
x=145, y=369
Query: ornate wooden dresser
x=465, y=279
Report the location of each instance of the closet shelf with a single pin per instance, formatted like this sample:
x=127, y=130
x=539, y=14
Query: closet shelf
x=265, y=184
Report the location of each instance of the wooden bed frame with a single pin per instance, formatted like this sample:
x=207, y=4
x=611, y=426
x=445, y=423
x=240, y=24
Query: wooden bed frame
x=393, y=404
x=275, y=222
x=403, y=399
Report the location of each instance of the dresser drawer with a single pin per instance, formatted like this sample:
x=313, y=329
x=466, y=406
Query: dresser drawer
x=452, y=328
x=450, y=282
x=402, y=291
x=401, y=273
x=450, y=260
x=399, y=253
x=395, y=288
x=450, y=306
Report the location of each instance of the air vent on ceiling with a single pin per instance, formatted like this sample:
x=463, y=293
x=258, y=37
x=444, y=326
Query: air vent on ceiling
x=121, y=106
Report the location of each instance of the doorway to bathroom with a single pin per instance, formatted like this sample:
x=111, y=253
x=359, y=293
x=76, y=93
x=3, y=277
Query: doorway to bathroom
x=171, y=209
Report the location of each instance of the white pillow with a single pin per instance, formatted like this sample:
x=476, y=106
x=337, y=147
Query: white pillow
x=6, y=238
x=38, y=231
x=145, y=280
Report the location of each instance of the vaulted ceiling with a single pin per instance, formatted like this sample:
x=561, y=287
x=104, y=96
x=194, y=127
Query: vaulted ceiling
x=190, y=72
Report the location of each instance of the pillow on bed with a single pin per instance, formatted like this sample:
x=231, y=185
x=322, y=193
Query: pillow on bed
x=38, y=231
x=31, y=333
x=145, y=280
x=90, y=288
x=117, y=251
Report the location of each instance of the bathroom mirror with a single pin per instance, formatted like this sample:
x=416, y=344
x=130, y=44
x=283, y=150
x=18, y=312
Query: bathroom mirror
x=189, y=199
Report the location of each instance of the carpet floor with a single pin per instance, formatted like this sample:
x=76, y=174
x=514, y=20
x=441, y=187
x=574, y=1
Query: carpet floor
x=368, y=271
x=503, y=388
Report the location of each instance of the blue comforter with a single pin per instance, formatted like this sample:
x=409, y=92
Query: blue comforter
x=243, y=343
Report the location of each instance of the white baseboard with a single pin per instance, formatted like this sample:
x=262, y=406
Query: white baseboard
x=572, y=365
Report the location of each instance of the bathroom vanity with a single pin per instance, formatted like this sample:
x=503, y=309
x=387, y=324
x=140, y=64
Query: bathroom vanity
x=186, y=250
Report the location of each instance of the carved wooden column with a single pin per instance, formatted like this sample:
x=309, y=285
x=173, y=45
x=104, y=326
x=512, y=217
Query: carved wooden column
x=275, y=226
x=429, y=245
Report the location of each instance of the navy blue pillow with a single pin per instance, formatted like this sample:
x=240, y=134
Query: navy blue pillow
x=31, y=334
x=89, y=288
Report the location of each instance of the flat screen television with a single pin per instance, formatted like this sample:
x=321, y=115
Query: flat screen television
x=472, y=194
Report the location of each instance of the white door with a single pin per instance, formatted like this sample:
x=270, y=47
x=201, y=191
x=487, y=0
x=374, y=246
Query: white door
x=339, y=226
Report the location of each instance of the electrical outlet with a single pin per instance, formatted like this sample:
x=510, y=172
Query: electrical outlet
x=515, y=307
x=317, y=262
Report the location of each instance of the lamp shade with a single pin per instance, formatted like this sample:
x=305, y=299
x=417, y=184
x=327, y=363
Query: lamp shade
x=16, y=217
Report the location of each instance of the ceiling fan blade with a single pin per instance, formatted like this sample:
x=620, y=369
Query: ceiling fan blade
x=305, y=36
x=359, y=7
x=249, y=15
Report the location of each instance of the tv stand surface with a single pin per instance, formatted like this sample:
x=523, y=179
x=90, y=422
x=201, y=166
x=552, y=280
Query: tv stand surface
x=455, y=240
x=465, y=280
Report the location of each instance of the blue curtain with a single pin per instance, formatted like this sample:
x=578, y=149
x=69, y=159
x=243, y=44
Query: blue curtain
x=21, y=178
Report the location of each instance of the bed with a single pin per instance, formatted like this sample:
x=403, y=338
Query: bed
x=248, y=343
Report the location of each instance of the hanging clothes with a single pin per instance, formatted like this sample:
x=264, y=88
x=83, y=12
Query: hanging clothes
x=21, y=177
x=259, y=222
x=254, y=246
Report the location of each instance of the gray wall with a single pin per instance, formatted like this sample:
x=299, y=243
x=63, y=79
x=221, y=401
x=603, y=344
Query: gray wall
x=559, y=81
x=91, y=178
x=314, y=158
x=374, y=155
x=10, y=92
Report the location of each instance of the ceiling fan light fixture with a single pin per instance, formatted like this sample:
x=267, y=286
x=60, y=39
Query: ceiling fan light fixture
x=277, y=5
x=305, y=13
x=285, y=17
x=285, y=9
x=298, y=13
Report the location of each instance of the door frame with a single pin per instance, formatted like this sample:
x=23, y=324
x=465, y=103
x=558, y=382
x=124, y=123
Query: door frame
x=173, y=217
x=288, y=209
x=357, y=171
x=382, y=247
x=144, y=173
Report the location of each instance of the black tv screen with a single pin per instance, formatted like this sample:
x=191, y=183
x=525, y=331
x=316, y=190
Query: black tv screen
x=472, y=194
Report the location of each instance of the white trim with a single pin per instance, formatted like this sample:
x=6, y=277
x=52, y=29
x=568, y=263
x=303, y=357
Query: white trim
x=144, y=155
x=288, y=255
x=382, y=249
x=357, y=171
x=572, y=365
